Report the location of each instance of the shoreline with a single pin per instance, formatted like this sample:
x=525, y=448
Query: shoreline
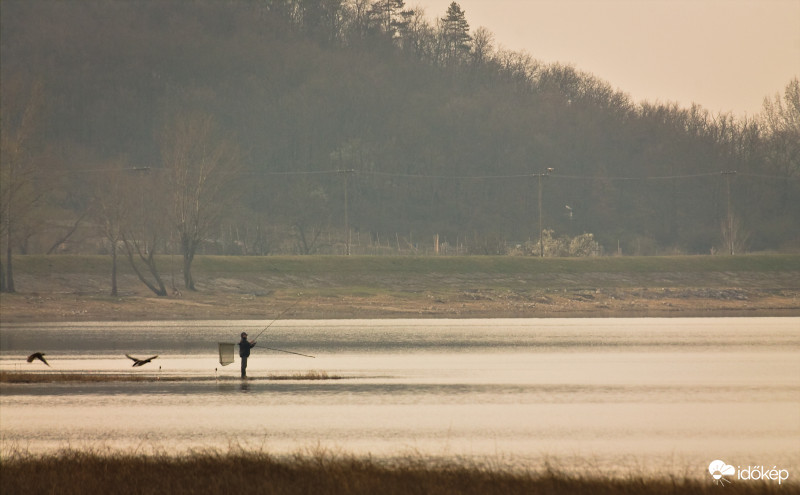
x=489, y=303
x=74, y=288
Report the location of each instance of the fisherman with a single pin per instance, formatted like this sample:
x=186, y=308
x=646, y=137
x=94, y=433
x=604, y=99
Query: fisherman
x=244, y=352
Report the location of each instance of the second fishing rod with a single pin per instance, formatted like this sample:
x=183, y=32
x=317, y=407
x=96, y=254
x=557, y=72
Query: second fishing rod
x=270, y=324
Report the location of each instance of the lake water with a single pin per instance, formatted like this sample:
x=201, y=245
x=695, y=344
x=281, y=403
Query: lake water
x=660, y=396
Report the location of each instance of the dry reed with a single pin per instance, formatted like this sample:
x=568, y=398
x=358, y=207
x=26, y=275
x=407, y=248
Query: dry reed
x=52, y=377
x=77, y=472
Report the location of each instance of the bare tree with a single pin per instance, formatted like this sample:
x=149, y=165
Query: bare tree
x=482, y=46
x=201, y=165
x=306, y=235
x=22, y=107
x=144, y=227
x=111, y=212
x=419, y=37
x=734, y=236
x=782, y=118
x=65, y=237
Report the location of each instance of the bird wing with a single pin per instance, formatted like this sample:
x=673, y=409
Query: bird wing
x=39, y=356
x=131, y=357
x=151, y=358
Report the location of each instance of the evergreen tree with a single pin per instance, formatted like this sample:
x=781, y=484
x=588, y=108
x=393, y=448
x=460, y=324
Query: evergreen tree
x=455, y=35
x=390, y=17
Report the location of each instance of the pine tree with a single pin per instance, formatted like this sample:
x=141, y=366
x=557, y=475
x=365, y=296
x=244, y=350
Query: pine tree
x=455, y=34
x=391, y=16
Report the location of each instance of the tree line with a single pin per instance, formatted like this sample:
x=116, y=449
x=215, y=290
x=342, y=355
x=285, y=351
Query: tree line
x=314, y=126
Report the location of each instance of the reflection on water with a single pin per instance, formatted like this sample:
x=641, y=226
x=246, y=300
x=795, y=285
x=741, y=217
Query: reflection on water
x=653, y=394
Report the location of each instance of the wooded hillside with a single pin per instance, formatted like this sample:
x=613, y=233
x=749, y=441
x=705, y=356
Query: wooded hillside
x=315, y=126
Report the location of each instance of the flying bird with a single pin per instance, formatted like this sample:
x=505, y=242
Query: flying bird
x=39, y=356
x=140, y=362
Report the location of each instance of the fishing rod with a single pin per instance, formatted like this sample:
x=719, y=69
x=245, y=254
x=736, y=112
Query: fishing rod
x=276, y=319
x=270, y=324
x=290, y=352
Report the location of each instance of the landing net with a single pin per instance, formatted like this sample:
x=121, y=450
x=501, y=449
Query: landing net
x=225, y=353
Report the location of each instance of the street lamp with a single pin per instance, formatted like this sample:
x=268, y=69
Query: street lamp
x=547, y=172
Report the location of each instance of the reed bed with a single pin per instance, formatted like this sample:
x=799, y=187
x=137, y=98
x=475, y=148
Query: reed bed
x=54, y=377
x=308, y=375
x=78, y=472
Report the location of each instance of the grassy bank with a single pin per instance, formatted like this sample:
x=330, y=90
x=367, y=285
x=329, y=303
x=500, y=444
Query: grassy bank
x=76, y=472
x=346, y=266
x=65, y=287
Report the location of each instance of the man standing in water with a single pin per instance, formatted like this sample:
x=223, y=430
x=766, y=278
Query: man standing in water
x=244, y=352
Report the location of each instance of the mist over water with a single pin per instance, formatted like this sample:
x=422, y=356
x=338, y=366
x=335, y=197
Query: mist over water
x=660, y=395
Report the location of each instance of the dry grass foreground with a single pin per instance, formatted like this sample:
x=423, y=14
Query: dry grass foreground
x=79, y=472
x=75, y=288
x=14, y=377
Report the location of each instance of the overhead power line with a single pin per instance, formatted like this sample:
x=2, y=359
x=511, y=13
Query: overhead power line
x=532, y=175
x=451, y=177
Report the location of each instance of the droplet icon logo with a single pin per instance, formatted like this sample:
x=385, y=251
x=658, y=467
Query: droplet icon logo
x=719, y=470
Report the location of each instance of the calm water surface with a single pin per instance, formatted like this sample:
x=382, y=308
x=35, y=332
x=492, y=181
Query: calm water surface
x=664, y=396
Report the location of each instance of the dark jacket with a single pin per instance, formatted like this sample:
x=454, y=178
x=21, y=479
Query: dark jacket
x=244, y=348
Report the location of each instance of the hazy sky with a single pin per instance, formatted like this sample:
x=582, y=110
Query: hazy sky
x=726, y=55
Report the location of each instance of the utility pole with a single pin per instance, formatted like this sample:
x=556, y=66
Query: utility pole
x=728, y=174
x=346, y=220
x=541, y=240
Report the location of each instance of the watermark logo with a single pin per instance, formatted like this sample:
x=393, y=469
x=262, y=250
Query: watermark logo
x=723, y=472
x=719, y=470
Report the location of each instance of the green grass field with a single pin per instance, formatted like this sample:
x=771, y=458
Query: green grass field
x=498, y=265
